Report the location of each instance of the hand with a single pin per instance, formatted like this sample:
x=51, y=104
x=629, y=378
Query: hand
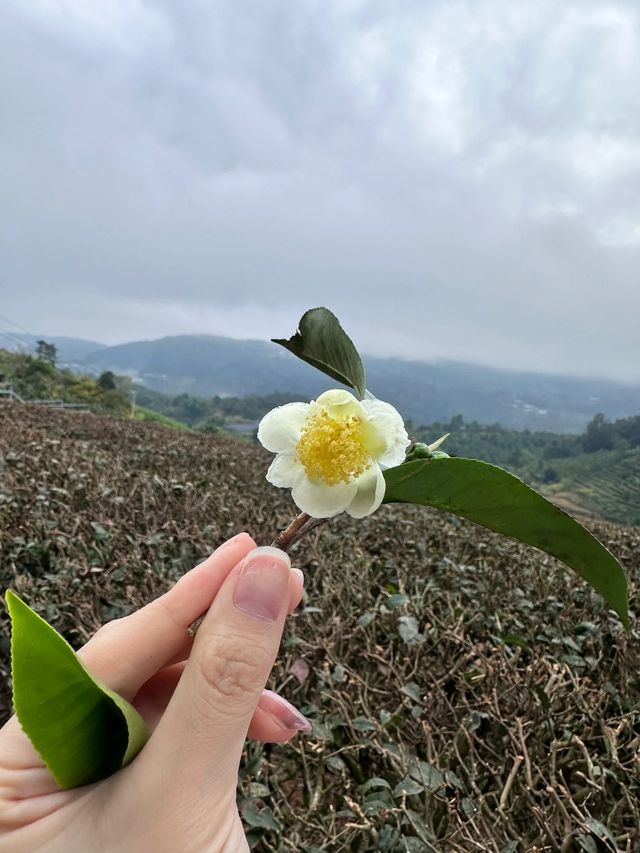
x=200, y=698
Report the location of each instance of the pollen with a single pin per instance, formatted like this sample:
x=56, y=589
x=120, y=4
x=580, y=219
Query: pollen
x=332, y=450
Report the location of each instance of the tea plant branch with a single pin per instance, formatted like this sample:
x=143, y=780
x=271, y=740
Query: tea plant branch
x=288, y=536
x=299, y=527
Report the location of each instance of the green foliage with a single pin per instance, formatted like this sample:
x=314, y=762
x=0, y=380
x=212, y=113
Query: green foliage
x=520, y=451
x=150, y=416
x=322, y=342
x=501, y=502
x=82, y=731
x=46, y=352
x=39, y=379
x=212, y=413
x=606, y=482
x=107, y=381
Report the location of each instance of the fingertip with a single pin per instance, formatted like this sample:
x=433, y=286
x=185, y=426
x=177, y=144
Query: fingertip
x=275, y=720
x=284, y=712
x=241, y=538
x=270, y=551
x=296, y=588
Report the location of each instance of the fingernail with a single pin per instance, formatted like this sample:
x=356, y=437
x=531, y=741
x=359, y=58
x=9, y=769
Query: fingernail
x=231, y=541
x=300, y=574
x=263, y=585
x=283, y=712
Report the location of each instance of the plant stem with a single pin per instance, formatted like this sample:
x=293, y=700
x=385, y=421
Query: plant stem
x=288, y=536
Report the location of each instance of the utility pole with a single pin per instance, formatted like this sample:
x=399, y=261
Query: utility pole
x=133, y=403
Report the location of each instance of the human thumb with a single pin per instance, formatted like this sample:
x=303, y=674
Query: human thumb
x=202, y=733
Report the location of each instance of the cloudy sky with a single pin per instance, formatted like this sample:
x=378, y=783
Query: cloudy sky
x=454, y=179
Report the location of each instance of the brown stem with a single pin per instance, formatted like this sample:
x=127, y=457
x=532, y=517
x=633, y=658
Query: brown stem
x=307, y=527
x=286, y=537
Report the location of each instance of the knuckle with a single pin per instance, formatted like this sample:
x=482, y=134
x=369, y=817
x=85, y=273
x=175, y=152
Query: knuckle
x=232, y=669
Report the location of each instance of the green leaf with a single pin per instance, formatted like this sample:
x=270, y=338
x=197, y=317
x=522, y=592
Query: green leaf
x=499, y=501
x=83, y=731
x=427, y=775
x=361, y=724
x=408, y=787
x=259, y=817
x=322, y=342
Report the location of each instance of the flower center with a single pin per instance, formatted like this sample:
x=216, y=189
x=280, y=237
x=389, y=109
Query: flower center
x=332, y=450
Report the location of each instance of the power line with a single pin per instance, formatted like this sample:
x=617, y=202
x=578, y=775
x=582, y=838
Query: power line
x=16, y=325
x=11, y=337
x=65, y=355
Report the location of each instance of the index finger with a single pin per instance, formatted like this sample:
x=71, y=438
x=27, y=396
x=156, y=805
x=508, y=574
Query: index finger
x=125, y=653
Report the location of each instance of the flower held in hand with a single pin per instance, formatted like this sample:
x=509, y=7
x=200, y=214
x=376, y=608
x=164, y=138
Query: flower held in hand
x=331, y=452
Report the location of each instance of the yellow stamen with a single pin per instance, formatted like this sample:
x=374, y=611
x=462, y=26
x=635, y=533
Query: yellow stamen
x=332, y=450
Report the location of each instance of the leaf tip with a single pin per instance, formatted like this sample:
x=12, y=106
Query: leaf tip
x=12, y=600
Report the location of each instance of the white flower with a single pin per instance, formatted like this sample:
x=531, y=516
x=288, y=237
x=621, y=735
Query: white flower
x=331, y=452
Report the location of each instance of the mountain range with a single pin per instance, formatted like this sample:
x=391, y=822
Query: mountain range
x=206, y=365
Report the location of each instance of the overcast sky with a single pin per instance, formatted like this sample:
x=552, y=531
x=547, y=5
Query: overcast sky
x=454, y=179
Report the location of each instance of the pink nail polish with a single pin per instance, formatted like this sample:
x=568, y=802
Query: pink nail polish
x=283, y=712
x=262, y=587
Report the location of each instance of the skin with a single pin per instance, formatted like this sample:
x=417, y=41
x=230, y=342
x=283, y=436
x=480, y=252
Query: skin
x=201, y=699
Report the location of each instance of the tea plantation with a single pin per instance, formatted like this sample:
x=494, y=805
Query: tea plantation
x=467, y=693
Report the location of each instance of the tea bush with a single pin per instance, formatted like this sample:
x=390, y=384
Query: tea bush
x=466, y=693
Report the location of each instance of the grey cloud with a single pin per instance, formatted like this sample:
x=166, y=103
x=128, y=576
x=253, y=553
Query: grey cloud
x=456, y=180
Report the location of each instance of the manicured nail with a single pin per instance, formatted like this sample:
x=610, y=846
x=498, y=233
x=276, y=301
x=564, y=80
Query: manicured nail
x=263, y=585
x=283, y=712
x=232, y=541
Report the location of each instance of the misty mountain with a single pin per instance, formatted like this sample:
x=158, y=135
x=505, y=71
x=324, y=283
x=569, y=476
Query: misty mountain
x=71, y=351
x=205, y=365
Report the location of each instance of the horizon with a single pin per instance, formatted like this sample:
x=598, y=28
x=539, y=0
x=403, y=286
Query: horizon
x=436, y=360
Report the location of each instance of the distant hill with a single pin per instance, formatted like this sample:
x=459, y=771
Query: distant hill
x=71, y=351
x=206, y=365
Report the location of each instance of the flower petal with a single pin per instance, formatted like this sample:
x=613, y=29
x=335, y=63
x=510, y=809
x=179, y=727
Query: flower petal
x=284, y=471
x=279, y=430
x=320, y=500
x=370, y=493
x=340, y=404
x=387, y=438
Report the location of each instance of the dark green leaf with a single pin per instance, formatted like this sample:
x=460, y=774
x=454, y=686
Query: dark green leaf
x=601, y=831
x=499, y=501
x=374, y=782
x=412, y=690
x=427, y=775
x=587, y=844
x=361, y=724
x=322, y=342
x=468, y=809
x=259, y=818
x=409, y=787
x=82, y=730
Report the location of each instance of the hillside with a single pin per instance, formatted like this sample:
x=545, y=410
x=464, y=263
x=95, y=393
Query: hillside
x=71, y=351
x=425, y=392
x=35, y=378
x=607, y=483
x=595, y=473
x=432, y=657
